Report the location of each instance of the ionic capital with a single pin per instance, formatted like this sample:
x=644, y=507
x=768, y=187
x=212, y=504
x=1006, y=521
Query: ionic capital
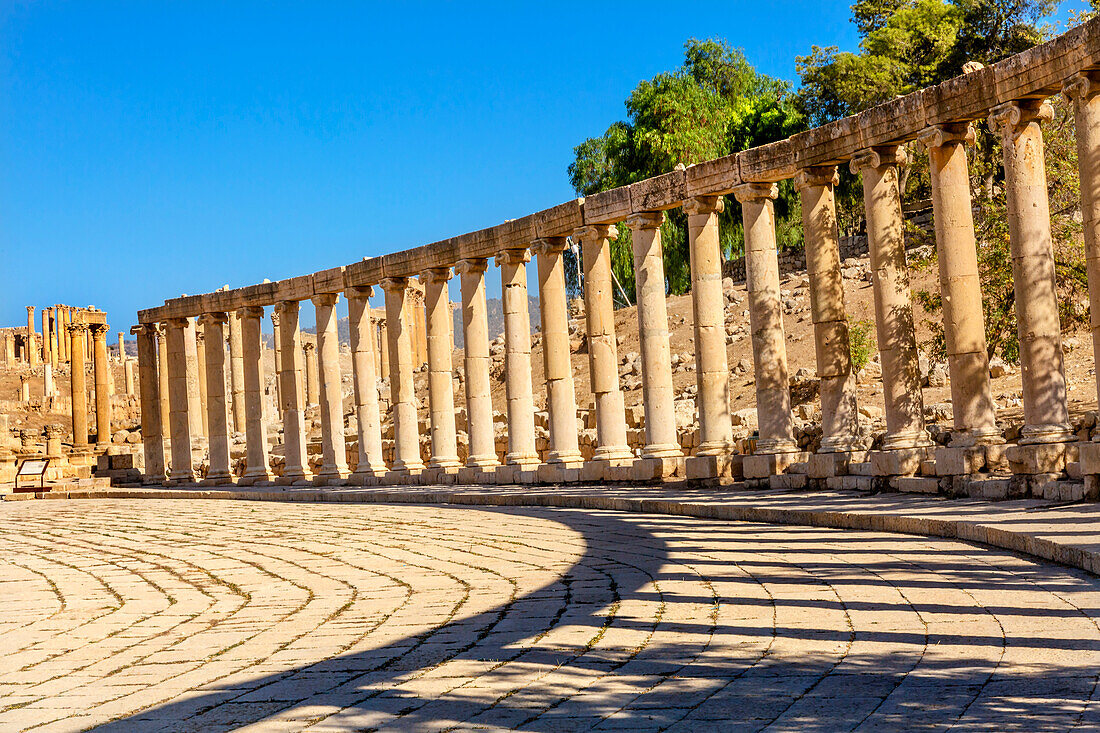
x=436, y=275
x=394, y=284
x=755, y=192
x=308, y=346
x=471, y=266
x=250, y=311
x=877, y=158
x=1011, y=118
x=212, y=318
x=704, y=205
x=645, y=220
x=512, y=257
x=178, y=322
x=594, y=232
x=325, y=300
x=820, y=176
x=1081, y=87
x=283, y=306
x=359, y=292
x=548, y=246
x=955, y=133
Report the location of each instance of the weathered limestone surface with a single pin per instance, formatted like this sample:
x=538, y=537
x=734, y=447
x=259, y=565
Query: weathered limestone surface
x=364, y=377
x=257, y=469
x=182, y=470
x=475, y=325
x=517, y=358
x=213, y=332
x=406, y=430
x=290, y=393
x=440, y=380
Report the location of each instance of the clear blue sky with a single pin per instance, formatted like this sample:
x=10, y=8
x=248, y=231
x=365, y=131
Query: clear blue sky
x=151, y=149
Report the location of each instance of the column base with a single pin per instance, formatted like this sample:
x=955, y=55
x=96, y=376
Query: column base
x=651, y=468
x=218, y=479
x=765, y=446
x=180, y=478
x=565, y=456
x=564, y=472
x=770, y=464
x=840, y=444
x=1049, y=433
x=906, y=440
x=990, y=435
x=663, y=450
x=714, y=448
x=256, y=478
x=720, y=467
x=900, y=461
x=613, y=453
x=604, y=469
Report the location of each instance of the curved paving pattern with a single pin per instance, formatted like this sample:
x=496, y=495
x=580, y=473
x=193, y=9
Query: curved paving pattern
x=217, y=615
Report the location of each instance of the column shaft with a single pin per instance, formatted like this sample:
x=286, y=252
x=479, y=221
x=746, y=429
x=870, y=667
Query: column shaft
x=334, y=465
x=290, y=394
x=313, y=388
x=79, y=389
x=437, y=304
x=256, y=457
x=365, y=383
x=213, y=333
x=836, y=381
x=475, y=333
x=194, y=398
x=162, y=381
x=151, y=427
x=603, y=359
x=200, y=363
x=517, y=358
x=236, y=373
x=561, y=399
x=101, y=364
x=32, y=342
x=406, y=430
x=897, y=341
x=182, y=470
x=769, y=345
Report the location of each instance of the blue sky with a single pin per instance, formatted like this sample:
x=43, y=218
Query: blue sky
x=150, y=149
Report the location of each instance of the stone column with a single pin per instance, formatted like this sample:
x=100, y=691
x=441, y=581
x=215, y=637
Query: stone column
x=9, y=348
x=200, y=363
x=836, y=381
x=47, y=382
x=406, y=431
x=440, y=373
x=236, y=373
x=289, y=338
x=897, y=340
x=60, y=333
x=25, y=389
x=213, y=332
x=162, y=379
x=32, y=343
x=257, y=468
x=561, y=399
x=769, y=346
x=194, y=398
x=128, y=375
x=383, y=350
x=47, y=356
x=1082, y=91
x=975, y=419
x=517, y=359
x=662, y=455
x=278, y=349
x=55, y=356
x=475, y=333
x=121, y=347
x=67, y=316
x=365, y=382
x=603, y=360
x=313, y=390
x=181, y=470
x=334, y=466
x=712, y=372
x=1046, y=415
x=101, y=364
x=151, y=427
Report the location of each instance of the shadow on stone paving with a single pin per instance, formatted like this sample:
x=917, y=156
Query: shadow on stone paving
x=515, y=683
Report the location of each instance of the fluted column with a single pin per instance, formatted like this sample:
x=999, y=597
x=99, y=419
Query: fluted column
x=256, y=457
x=364, y=380
x=475, y=333
x=769, y=346
x=836, y=380
x=1083, y=90
x=288, y=336
x=334, y=461
x=151, y=427
x=32, y=343
x=200, y=363
x=79, y=388
x=100, y=365
x=179, y=423
x=1046, y=415
x=437, y=304
x=603, y=359
x=561, y=399
x=657, y=394
x=897, y=340
x=975, y=419
x=213, y=334
x=236, y=374
x=406, y=431
x=517, y=358
x=708, y=308
x=313, y=389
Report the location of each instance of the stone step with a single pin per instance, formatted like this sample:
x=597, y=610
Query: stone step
x=849, y=483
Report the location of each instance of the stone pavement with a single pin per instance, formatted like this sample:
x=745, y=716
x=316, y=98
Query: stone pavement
x=180, y=615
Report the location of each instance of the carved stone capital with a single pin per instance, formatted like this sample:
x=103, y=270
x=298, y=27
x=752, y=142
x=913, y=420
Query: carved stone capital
x=704, y=205
x=1011, y=118
x=394, y=284
x=308, y=346
x=471, y=266
x=361, y=292
x=1081, y=87
x=821, y=176
x=513, y=257
x=877, y=158
x=250, y=311
x=212, y=318
x=645, y=220
x=938, y=136
x=548, y=246
x=325, y=300
x=99, y=331
x=436, y=275
x=593, y=232
x=755, y=192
